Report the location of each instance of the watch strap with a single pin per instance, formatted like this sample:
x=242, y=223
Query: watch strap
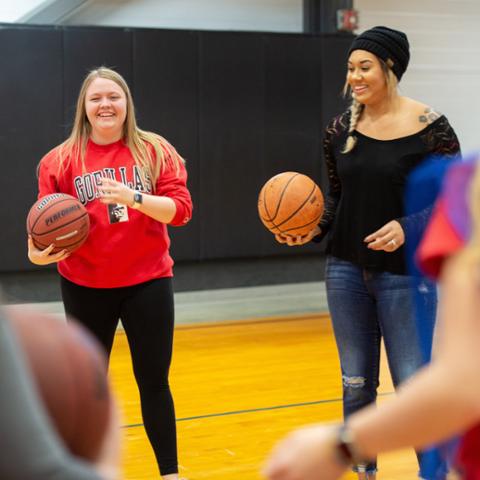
x=345, y=448
x=137, y=200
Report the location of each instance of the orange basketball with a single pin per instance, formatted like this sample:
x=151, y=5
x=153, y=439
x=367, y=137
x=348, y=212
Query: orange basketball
x=60, y=219
x=290, y=204
x=69, y=370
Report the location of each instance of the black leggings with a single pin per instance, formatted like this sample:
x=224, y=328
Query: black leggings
x=147, y=315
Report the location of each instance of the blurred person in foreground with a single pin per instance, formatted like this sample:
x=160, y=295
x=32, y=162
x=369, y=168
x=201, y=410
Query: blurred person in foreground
x=31, y=448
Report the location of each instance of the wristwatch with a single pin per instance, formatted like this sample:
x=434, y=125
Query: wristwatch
x=345, y=449
x=137, y=200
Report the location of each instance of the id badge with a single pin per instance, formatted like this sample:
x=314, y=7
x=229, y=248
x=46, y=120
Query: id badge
x=117, y=213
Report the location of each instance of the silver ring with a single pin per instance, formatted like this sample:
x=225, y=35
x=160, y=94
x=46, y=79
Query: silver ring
x=393, y=242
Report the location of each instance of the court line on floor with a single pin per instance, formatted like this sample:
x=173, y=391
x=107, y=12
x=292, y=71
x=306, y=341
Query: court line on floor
x=319, y=315
x=253, y=410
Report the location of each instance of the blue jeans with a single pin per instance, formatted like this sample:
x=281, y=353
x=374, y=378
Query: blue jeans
x=365, y=306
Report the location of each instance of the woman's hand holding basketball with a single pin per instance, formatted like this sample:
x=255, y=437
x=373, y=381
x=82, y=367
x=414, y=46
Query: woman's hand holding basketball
x=388, y=238
x=296, y=240
x=45, y=257
x=113, y=192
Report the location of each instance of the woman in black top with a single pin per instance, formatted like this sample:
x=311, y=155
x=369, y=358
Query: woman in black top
x=369, y=150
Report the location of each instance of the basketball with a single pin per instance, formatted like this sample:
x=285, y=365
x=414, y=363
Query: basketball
x=69, y=370
x=290, y=203
x=59, y=219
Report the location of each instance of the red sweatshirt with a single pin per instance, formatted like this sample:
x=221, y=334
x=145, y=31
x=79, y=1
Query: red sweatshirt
x=116, y=253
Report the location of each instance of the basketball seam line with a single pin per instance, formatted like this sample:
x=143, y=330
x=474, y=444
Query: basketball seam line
x=62, y=226
x=69, y=245
x=315, y=220
x=281, y=198
x=295, y=212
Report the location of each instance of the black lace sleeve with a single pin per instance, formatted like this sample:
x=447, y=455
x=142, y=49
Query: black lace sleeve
x=442, y=144
x=441, y=140
x=334, y=129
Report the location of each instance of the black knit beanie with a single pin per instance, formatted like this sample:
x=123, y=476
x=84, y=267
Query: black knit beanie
x=387, y=44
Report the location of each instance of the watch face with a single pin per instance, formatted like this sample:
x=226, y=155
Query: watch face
x=137, y=198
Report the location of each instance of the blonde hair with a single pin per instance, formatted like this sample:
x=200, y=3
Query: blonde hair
x=471, y=252
x=152, y=164
x=356, y=108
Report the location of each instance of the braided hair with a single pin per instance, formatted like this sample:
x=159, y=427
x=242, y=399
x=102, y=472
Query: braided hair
x=356, y=108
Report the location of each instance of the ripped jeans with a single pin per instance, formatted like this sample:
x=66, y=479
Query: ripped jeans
x=366, y=306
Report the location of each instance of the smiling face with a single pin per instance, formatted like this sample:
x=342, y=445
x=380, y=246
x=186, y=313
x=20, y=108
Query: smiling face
x=106, y=109
x=366, y=77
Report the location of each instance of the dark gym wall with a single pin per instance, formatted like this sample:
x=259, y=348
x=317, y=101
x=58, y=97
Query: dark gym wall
x=31, y=86
x=240, y=107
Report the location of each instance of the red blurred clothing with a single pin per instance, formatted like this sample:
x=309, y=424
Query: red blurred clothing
x=439, y=241
x=125, y=252
x=468, y=456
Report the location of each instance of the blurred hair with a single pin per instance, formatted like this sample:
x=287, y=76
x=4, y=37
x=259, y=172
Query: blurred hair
x=471, y=251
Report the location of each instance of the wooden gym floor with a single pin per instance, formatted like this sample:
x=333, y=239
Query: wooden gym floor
x=238, y=388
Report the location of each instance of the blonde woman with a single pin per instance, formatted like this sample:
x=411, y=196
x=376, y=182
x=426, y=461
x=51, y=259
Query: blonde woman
x=443, y=399
x=132, y=183
x=369, y=151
